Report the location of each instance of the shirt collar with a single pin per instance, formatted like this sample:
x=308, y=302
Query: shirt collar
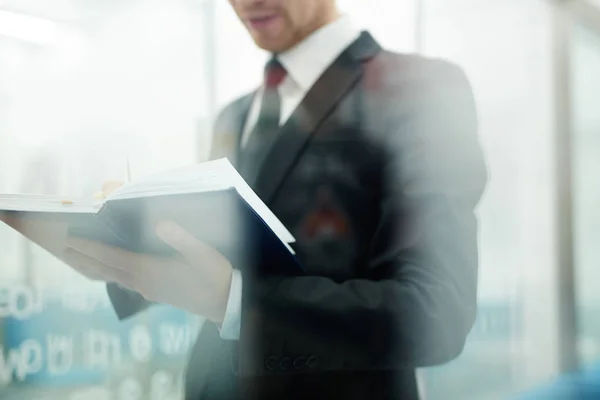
x=307, y=61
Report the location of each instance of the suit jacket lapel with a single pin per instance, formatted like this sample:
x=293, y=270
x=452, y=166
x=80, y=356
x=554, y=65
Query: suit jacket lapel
x=318, y=103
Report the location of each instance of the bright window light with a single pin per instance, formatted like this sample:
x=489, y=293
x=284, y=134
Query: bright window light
x=27, y=28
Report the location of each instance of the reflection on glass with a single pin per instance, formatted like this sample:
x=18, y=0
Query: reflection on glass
x=505, y=48
x=586, y=147
x=83, y=85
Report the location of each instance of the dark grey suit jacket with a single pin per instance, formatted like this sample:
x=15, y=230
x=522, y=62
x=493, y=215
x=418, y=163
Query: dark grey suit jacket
x=377, y=174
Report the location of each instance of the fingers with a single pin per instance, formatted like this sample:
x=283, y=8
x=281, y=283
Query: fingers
x=95, y=270
x=85, y=271
x=106, y=255
x=181, y=240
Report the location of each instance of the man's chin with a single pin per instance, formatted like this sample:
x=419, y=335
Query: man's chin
x=272, y=46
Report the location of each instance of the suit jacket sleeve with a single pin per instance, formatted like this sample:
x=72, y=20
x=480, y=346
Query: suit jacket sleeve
x=126, y=303
x=417, y=302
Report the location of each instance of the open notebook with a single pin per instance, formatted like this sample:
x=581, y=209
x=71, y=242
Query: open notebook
x=211, y=200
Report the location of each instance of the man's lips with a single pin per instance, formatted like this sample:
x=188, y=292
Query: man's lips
x=261, y=22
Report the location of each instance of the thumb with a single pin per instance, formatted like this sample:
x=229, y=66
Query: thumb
x=178, y=238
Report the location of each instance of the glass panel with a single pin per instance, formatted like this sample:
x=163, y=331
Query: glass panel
x=586, y=147
x=505, y=48
x=83, y=86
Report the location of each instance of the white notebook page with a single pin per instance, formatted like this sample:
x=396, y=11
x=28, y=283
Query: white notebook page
x=40, y=203
x=209, y=176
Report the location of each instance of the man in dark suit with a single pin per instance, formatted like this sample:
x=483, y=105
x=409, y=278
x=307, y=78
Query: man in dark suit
x=371, y=159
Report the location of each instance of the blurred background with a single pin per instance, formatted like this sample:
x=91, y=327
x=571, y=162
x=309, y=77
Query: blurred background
x=85, y=84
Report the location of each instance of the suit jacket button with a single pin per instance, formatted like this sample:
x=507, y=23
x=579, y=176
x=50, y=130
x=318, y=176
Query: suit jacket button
x=272, y=363
x=285, y=364
x=312, y=362
x=299, y=363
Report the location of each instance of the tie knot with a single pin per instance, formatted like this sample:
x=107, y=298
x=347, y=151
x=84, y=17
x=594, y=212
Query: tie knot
x=274, y=74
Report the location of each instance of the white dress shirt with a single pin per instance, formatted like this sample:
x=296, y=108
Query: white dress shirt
x=304, y=64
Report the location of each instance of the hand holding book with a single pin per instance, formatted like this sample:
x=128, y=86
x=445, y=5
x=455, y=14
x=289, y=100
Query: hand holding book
x=196, y=279
x=217, y=221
